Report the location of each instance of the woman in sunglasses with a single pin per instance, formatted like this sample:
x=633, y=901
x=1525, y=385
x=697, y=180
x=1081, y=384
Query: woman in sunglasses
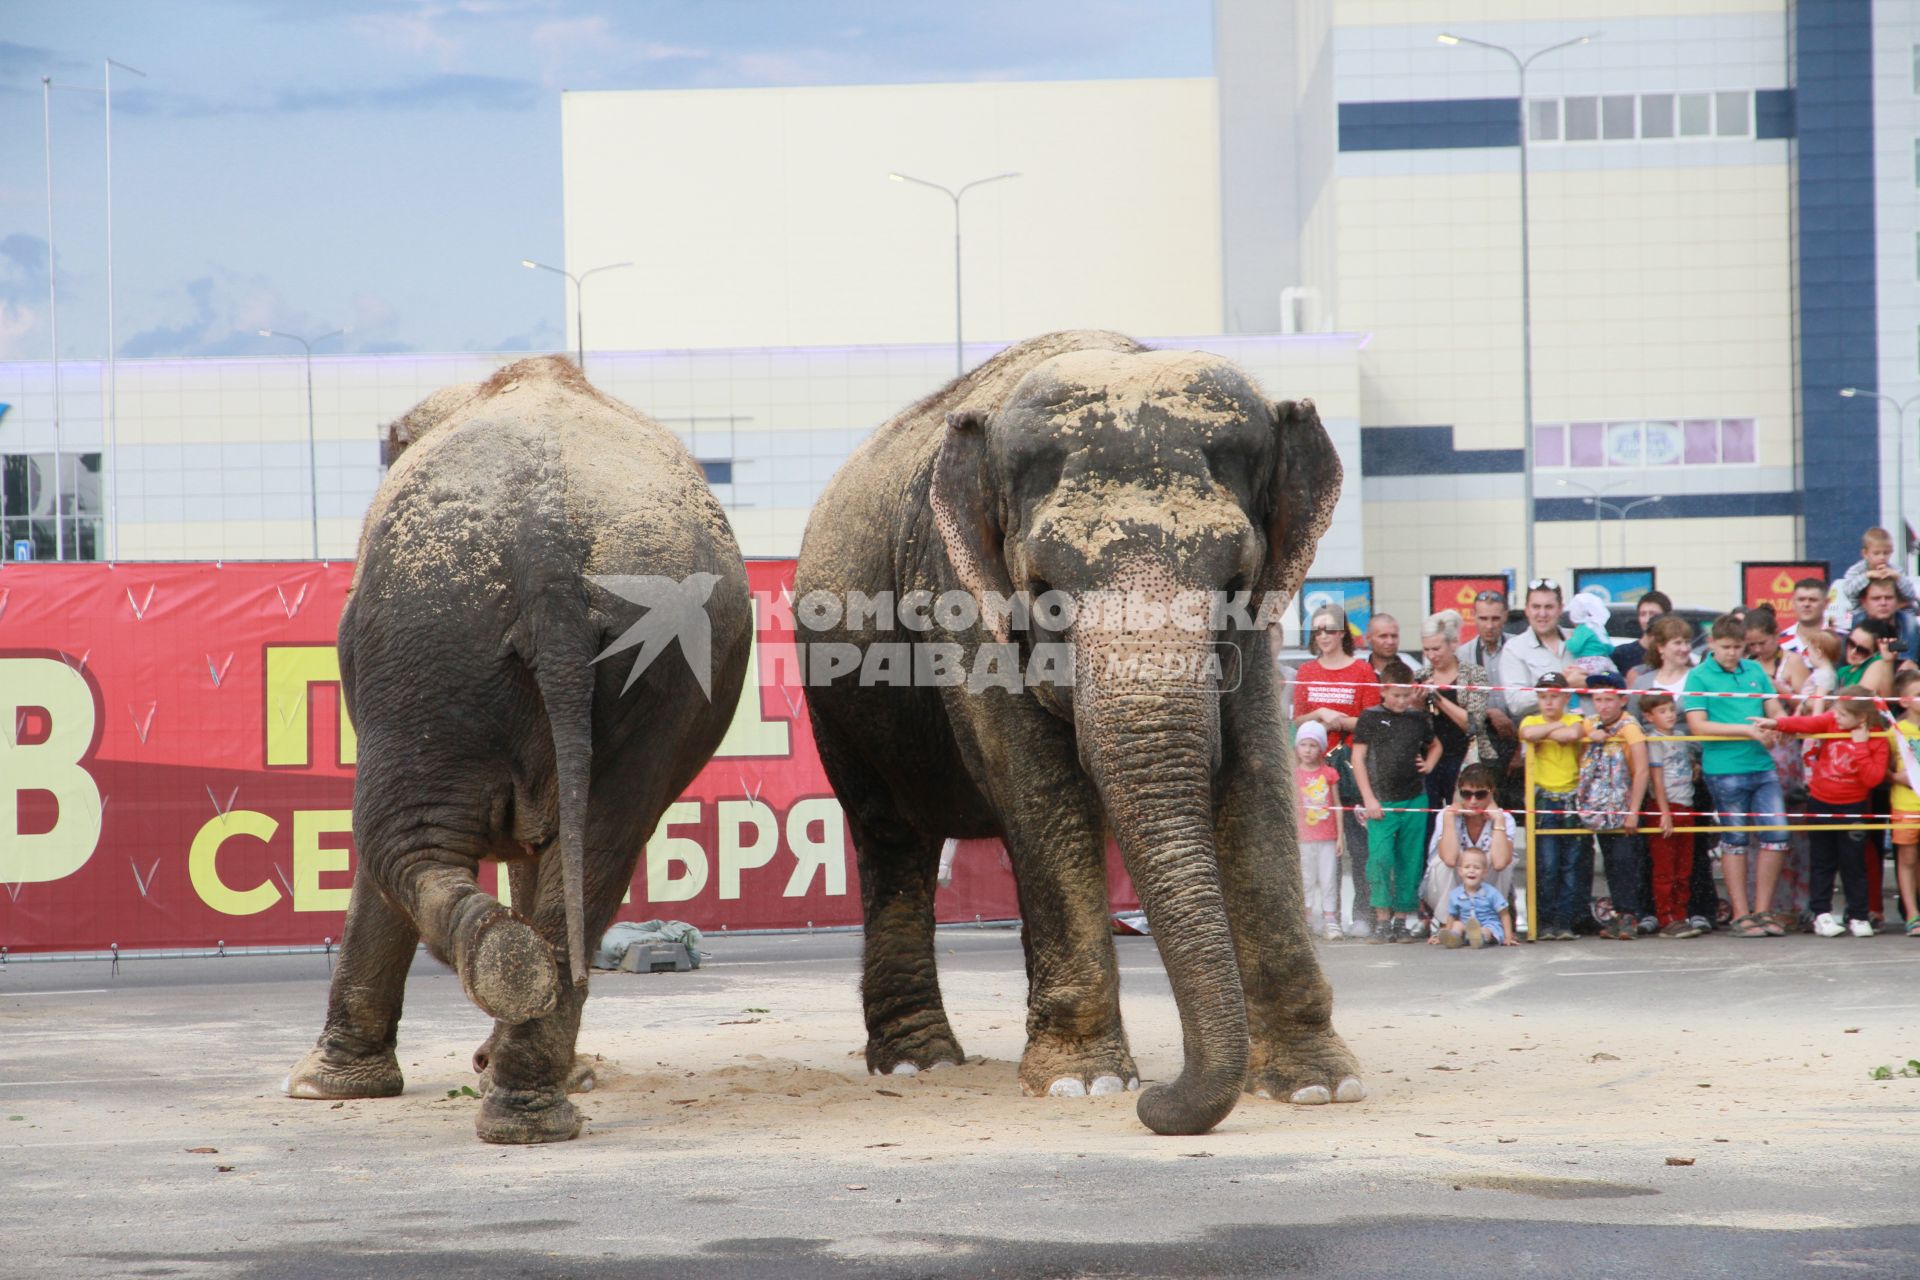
x=1872, y=654
x=1471, y=821
x=1333, y=688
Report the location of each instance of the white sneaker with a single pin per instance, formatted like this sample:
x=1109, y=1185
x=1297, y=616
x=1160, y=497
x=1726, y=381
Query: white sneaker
x=1860, y=928
x=1826, y=926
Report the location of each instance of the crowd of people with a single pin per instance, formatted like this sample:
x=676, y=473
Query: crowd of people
x=1783, y=759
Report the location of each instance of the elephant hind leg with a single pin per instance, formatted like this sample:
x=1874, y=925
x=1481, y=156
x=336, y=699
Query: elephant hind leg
x=354, y=1057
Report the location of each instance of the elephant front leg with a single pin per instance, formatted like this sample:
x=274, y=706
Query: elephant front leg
x=907, y=1027
x=1076, y=1044
x=354, y=1057
x=1295, y=1054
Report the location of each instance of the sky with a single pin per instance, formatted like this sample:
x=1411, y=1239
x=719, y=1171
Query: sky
x=384, y=165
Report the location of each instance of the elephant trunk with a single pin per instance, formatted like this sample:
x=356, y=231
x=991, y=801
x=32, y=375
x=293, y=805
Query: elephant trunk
x=1149, y=747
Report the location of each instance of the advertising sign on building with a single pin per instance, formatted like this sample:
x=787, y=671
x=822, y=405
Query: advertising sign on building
x=1616, y=586
x=1353, y=595
x=1771, y=581
x=1456, y=591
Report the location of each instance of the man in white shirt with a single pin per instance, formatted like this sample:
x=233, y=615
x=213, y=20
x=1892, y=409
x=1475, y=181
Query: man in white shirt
x=1536, y=651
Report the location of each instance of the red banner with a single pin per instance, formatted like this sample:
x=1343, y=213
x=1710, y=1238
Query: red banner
x=176, y=770
x=1456, y=591
x=1771, y=582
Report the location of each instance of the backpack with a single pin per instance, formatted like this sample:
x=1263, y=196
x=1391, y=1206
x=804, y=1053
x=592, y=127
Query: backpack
x=1601, y=801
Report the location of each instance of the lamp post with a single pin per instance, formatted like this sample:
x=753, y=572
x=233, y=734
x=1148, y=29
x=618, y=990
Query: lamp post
x=113, y=383
x=1900, y=408
x=959, y=357
x=1623, y=510
x=53, y=328
x=1593, y=500
x=1526, y=281
x=579, y=318
x=313, y=461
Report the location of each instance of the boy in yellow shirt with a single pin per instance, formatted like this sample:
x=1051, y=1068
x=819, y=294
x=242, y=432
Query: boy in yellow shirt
x=1906, y=801
x=1556, y=739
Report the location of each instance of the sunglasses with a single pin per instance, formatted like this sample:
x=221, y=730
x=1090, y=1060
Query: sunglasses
x=1856, y=647
x=1543, y=584
x=1474, y=793
x=1491, y=597
x=1328, y=631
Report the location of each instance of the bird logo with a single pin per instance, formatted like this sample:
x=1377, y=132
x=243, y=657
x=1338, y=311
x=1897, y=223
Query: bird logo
x=674, y=611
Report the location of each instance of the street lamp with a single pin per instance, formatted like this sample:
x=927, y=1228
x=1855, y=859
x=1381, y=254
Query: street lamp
x=1899, y=460
x=959, y=359
x=1623, y=511
x=1526, y=281
x=113, y=381
x=313, y=461
x=579, y=321
x=1592, y=501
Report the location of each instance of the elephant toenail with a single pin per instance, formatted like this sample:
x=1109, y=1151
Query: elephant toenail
x=1313, y=1095
x=1066, y=1088
x=1103, y=1085
x=905, y=1069
x=1350, y=1090
x=1263, y=1093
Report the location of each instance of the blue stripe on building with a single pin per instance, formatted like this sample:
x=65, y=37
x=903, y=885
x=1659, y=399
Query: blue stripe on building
x=1432, y=125
x=1677, y=506
x=1429, y=451
x=1831, y=57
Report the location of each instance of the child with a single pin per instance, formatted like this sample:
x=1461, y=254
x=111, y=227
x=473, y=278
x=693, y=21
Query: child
x=1612, y=730
x=1822, y=655
x=1554, y=736
x=1394, y=748
x=1670, y=853
x=1845, y=771
x=1876, y=552
x=1471, y=821
x=1906, y=800
x=1738, y=765
x=1588, y=646
x=1475, y=914
x=1320, y=838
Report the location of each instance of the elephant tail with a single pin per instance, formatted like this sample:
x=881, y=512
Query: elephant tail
x=563, y=670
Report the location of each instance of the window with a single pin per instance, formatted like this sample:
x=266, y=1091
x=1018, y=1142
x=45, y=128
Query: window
x=1616, y=116
x=1696, y=115
x=1656, y=115
x=27, y=506
x=1583, y=119
x=719, y=471
x=1663, y=442
x=1732, y=119
x=1624, y=117
x=1543, y=119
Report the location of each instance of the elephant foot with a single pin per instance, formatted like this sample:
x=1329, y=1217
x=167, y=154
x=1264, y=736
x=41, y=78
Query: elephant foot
x=1311, y=1070
x=906, y=1052
x=527, y=1116
x=1053, y=1068
x=331, y=1075
x=507, y=969
x=580, y=1077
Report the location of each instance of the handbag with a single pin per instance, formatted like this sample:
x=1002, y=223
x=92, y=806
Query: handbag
x=1341, y=758
x=1601, y=800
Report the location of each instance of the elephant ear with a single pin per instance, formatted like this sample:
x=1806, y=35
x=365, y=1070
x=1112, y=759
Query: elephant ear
x=965, y=513
x=1300, y=498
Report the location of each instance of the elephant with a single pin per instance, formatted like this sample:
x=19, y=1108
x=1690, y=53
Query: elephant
x=531, y=534
x=1071, y=465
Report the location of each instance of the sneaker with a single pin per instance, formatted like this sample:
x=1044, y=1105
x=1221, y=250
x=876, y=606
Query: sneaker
x=1453, y=941
x=1476, y=935
x=1691, y=927
x=1699, y=925
x=1625, y=929
x=1649, y=924
x=1678, y=929
x=1860, y=928
x=1331, y=930
x=1827, y=927
x=1360, y=928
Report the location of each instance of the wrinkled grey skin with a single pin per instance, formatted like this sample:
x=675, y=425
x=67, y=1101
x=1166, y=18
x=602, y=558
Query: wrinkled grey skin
x=488, y=729
x=1080, y=461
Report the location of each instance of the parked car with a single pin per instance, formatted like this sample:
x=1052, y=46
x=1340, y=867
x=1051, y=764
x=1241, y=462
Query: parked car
x=1623, y=624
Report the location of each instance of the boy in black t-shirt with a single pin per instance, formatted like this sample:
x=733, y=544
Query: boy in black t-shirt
x=1394, y=747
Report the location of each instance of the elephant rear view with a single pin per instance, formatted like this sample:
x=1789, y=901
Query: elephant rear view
x=545, y=639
